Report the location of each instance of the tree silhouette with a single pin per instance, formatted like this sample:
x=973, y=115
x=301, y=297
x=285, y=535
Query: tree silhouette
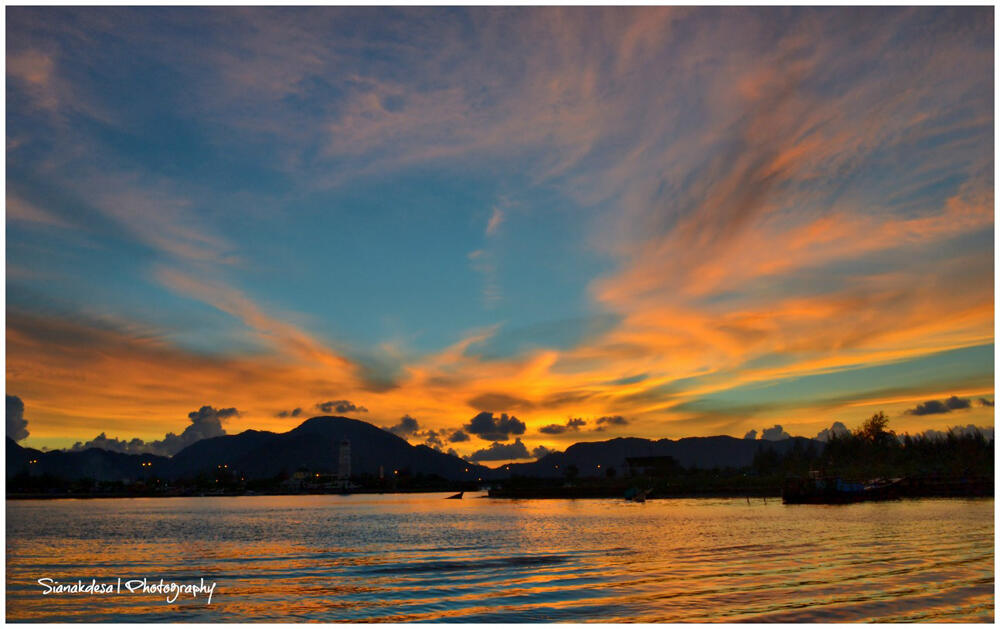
x=873, y=430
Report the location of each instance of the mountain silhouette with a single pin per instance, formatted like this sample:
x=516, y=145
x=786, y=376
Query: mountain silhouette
x=691, y=452
x=314, y=445
x=94, y=463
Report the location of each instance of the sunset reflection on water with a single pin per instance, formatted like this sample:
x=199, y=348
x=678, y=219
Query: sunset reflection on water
x=419, y=557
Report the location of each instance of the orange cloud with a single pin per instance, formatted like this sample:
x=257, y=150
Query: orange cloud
x=719, y=193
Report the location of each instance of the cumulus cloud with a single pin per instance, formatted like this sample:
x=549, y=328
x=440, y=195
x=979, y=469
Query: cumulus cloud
x=340, y=406
x=17, y=425
x=751, y=434
x=295, y=412
x=775, y=433
x=208, y=416
x=930, y=407
x=935, y=407
x=501, y=452
x=970, y=431
x=405, y=427
x=490, y=428
x=409, y=428
x=540, y=451
x=432, y=438
x=610, y=420
x=956, y=403
x=838, y=429
x=206, y=423
x=959, y=431
x=573, y=423
x=457, y=436
x=114, y=444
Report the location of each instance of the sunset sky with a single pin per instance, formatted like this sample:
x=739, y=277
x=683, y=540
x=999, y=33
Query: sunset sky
x=680, y=222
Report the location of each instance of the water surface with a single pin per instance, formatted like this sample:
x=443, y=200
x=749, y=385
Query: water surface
x=418, y=557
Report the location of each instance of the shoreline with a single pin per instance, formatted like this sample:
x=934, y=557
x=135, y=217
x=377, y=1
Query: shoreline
x=505, y=496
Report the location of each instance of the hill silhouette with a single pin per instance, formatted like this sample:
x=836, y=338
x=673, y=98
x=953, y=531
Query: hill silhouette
x=93, y=463
x=689, y=452
x=313, y=445
x=256, y=454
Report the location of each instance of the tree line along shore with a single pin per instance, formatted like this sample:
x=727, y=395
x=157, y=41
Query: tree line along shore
x=955, y=464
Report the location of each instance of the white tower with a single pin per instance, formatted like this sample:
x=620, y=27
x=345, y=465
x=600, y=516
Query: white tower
x=344, y=461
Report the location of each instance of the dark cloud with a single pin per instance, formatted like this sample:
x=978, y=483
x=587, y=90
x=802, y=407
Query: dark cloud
x=936, y=407
x=956, y=403
x=432, y=438
x=209, y=415
x=405, y=427
x=113, y=444
x=838, y=429
x=984, y=402
x=501, y=452
x=491, y=402
x=17, y=425
x=409, y=428
x=553, y=429
x=340, y=406
x=206, y=423
x=458, y=435
x=573, y=423
x=609, y=420
x=490, y=428
x=540, y=451
x=612, y=420
x=930, y=407
x=292, y=413
x=775, y=433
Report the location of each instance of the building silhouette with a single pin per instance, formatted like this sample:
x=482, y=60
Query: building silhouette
x=344, y=461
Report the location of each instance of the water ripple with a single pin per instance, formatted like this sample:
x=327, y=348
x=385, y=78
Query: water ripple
x=419, y=558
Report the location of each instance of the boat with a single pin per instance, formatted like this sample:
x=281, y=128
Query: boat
x=835, y=490
x=633, y=494
x=457, y=496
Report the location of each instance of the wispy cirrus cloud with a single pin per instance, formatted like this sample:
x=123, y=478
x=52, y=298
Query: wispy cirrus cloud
x=276, y=331
x=772, y=204
x=17, y=209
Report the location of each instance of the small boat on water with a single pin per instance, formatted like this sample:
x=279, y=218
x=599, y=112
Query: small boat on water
x=834, y=490
x=633, y=494
x=457, y=496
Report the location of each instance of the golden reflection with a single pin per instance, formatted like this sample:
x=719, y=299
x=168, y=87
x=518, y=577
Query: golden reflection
x=408, y=557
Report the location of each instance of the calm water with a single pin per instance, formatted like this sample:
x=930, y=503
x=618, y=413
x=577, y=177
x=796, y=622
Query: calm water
x=422, y=558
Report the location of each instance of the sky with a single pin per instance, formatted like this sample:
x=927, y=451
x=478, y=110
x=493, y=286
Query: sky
x=583, y=222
